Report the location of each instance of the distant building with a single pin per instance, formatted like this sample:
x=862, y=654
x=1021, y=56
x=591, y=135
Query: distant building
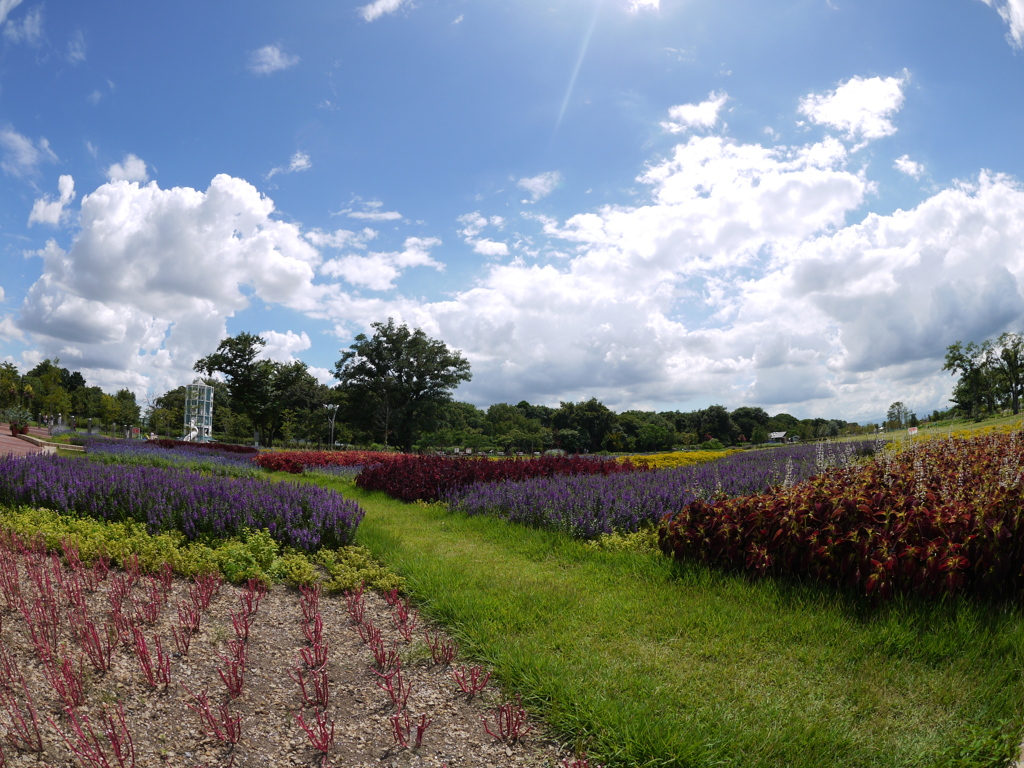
x=776, y=437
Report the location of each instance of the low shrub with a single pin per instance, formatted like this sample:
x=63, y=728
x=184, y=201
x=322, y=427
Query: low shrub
x=252, y=554
x=935, y=518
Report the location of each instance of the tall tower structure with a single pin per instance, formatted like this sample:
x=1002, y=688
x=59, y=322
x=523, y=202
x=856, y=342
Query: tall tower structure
x=198, y=412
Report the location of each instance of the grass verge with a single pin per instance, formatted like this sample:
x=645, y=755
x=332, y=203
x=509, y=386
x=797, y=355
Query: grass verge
x=642, y=662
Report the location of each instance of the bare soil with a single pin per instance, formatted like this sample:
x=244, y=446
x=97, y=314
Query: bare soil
x=166, y=732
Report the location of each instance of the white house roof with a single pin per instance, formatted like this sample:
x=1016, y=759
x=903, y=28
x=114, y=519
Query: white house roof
x=776, y=435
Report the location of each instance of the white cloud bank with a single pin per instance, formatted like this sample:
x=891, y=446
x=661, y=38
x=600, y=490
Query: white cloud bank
x=378, y=271
x=281, y=347
x=153, y=274
x=740, y=279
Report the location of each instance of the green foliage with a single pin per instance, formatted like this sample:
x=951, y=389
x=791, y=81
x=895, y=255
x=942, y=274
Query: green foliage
x=16, y=417
x=294, y=569
x=644, y=540
x=398, y=380
x=991, y=374
x=349, y=567
x=279, y=399
x=253, y=554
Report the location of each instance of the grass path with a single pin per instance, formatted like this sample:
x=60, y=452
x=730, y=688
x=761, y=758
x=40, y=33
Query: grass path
x=647, y=663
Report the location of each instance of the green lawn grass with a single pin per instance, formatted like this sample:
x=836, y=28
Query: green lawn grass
x=643, y=662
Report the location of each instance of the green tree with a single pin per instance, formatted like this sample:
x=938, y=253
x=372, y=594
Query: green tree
x=591, y=420
x=399, y=380
x=897, y=416
x=971, y=390
x=10, y=385
x=748, y=419
x=46, y=382
x=86, y=402
x=128, y=411
x=250, y=380
x=716, y=422
x=1005, y=358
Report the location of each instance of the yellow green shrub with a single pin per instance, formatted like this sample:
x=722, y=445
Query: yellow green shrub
x=678, y=458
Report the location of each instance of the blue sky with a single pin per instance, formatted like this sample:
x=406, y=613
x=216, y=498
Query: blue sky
x=797, y=205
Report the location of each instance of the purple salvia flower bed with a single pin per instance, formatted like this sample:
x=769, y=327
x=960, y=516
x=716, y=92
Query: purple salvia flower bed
x=588, y=506
x=135, y=451
x=306, y=517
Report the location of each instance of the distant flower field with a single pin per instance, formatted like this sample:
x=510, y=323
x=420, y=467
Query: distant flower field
x=588, y=506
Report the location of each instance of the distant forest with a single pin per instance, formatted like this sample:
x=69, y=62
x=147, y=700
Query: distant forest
x=296, y=404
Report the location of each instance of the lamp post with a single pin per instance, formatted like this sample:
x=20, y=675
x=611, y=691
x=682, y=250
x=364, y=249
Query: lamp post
x=333, y=408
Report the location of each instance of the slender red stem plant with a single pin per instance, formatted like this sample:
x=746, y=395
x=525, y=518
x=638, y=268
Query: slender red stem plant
x=510, y=722
x=441, y=651
x=114, y=750
x=471, y=681
x=320, y=732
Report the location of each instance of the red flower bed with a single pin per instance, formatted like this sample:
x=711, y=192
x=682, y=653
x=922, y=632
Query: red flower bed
x=941, y=518
x=294, y=461
x=433, y=478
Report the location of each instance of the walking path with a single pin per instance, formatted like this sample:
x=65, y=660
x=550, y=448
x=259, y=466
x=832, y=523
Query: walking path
x=13, y=446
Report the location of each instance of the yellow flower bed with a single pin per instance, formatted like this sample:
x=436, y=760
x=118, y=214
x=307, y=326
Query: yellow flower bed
x=679, y=458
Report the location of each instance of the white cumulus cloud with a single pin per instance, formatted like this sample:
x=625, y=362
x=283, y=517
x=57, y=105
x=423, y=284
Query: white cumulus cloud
x=378, y=8
x=490, y=247
x=1012, y=12
x=541, y=185
x=281, y=347
x=132, y=168
x=46, y=211
x=904, y=164
x=473, y=224
x=860, y=107
x=270, y=59
x=704, y=115
x=378, y=271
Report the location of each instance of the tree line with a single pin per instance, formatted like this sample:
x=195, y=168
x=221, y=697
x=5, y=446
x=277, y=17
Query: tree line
x=395, y=390
x=50, y=391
